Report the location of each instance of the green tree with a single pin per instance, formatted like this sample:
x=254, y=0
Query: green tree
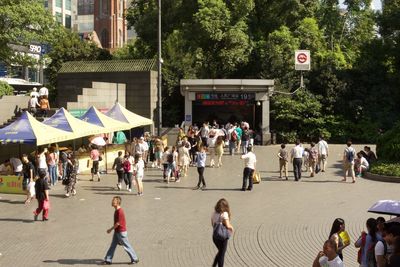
x=23, y=22
x=6, y=89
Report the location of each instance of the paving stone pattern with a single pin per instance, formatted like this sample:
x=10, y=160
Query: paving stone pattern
x=279, y=223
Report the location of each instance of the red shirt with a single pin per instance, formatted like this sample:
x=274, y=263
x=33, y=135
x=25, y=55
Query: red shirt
x=119, y=216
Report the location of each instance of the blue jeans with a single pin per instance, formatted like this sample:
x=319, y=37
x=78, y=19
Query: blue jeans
x=245, y=144
x=53, y=174
x=122, y=239
x=232, y=146
x=64, y=170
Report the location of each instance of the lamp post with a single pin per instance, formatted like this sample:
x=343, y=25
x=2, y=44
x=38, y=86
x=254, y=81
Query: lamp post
x=159, y=95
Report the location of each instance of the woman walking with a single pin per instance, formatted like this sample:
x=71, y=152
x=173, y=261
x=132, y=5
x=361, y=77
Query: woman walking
x=221, y=215
x=367, y=241
x=71, y=173
x=52, y=163
x=201, y=164
x=129, y=161
x=139, y=173
x=219, y=149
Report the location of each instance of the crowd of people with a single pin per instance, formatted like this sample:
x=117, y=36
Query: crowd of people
x=378, y=246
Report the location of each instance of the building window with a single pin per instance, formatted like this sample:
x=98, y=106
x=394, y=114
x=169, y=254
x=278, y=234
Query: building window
x=46, y=4
x=104, y=8
x=85, y=7
x=121, y=8
x=104, y=39
x=68, y=5
x=59, y=3
x=59, y=17
x=68, y=23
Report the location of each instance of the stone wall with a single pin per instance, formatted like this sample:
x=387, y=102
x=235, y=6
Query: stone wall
x=10, y=104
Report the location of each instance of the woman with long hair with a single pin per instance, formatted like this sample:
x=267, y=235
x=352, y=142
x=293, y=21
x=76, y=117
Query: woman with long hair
x=367, y=240
x=221, y=215
x=219, y=149
x=338, y=226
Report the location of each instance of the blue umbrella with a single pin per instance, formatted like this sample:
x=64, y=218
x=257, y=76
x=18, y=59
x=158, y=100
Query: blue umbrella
x=390, y=207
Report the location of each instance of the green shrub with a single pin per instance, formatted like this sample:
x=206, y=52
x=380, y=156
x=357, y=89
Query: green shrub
x=386, y=168
x=6, y=89
x=388, y=145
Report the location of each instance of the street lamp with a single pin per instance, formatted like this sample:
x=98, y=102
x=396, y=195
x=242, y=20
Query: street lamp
x=159, y=95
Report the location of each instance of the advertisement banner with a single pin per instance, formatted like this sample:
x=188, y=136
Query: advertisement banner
x=11, y=184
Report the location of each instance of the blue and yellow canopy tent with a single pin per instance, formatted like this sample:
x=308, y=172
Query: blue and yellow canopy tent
x=27, y=130
x=63, y=120
x=120, y=113
x=94, y=116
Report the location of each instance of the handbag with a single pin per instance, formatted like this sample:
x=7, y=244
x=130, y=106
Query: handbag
x=221, y=232
x=256, y=177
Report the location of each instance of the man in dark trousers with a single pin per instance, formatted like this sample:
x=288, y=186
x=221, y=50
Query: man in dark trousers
x=297, y=159
x=120, y=234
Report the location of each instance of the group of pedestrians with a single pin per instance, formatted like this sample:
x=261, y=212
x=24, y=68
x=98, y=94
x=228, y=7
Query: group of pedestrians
x=378, y=246
x=39, y=100
x=314, y=159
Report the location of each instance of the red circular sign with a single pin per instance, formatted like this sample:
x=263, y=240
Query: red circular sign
x=301, y=58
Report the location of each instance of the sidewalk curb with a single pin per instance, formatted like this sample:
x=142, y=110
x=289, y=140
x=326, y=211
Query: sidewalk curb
x=381, y=178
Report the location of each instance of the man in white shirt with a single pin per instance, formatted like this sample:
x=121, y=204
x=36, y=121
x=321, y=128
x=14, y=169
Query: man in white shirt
x=34, y=93
x=296, y=157
x=323, y=151
x=328, y=257
x=249, y=167
x=33, y=104
x=43, y=92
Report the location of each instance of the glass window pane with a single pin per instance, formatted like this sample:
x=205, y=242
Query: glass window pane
x=68, y=21
x=59, y=3
x=68, y=4
x=59, y=17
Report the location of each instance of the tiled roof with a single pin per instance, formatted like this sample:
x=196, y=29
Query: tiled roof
x=109, y=66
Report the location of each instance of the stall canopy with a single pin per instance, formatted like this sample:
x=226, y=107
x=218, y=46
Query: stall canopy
x=63, y=120
x=94, y=116
x=120, y=113
x=30, y=131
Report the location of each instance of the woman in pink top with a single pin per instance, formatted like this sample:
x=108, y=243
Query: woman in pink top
x=95, y=156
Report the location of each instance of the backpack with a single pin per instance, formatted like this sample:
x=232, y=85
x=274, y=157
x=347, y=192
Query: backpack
x=350, y=154
x=127, y=166
x=371, y=262
x=234, y=136
x=170, y=158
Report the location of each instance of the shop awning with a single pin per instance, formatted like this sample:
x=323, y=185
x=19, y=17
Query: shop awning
x=94, y=116
x=120, y=113
x=63, y=120
x=30, y=131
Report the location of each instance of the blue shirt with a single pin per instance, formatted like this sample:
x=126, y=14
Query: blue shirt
x=201, y=159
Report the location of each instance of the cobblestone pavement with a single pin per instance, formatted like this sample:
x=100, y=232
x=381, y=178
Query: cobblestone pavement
x=279, y=223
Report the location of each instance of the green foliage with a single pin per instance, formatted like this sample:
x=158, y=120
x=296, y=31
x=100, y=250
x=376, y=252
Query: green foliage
x=23, y=22
x=5, y=89
x=388, y=145
x=386, y=168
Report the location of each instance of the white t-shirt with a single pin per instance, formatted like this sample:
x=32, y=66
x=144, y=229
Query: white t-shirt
x=364, y=162
x=322, y=147
x=380, y=249
x=218, y=217
x=249, y=160
x=140, y=169
x=297, y=152
x=349, y=149
x=43, y=91
x=42, y=161
x=34, y=93
x=336, y=262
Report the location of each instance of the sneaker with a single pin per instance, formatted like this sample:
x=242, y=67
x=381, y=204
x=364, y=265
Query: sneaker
x=129, y=190
x=134, y=261
x=106, y=263
x=203, y=187
x=67, y=194
x=196, y=188
x=119, y=186
x=127, y=187
x=45, y=219
x=178, y=180
x=74, y=192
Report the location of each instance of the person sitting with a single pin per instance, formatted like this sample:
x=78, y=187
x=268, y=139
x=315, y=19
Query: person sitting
x=370, y=155
x=361, y=164
x=5, y=168
x=328, y=257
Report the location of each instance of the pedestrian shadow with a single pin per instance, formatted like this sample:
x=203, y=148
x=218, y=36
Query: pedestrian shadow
x=78, y=261
x=175, y=187
x=223, y=189
x=321, y=181
x=338, y=168
x=58, y=196
x=12, y=201
x=15, y=220
x=98, y=188
x=272, y=179
x=160, y=180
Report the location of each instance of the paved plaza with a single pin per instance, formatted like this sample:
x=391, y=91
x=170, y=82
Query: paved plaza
x=279, y=223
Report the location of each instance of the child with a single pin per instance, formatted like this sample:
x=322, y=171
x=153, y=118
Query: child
x=42, y=196
x=139, y=173
x=283, y=161
x=30, y=191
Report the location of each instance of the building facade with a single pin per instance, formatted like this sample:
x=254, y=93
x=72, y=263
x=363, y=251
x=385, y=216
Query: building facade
x=63, y=11
x=110, y=24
